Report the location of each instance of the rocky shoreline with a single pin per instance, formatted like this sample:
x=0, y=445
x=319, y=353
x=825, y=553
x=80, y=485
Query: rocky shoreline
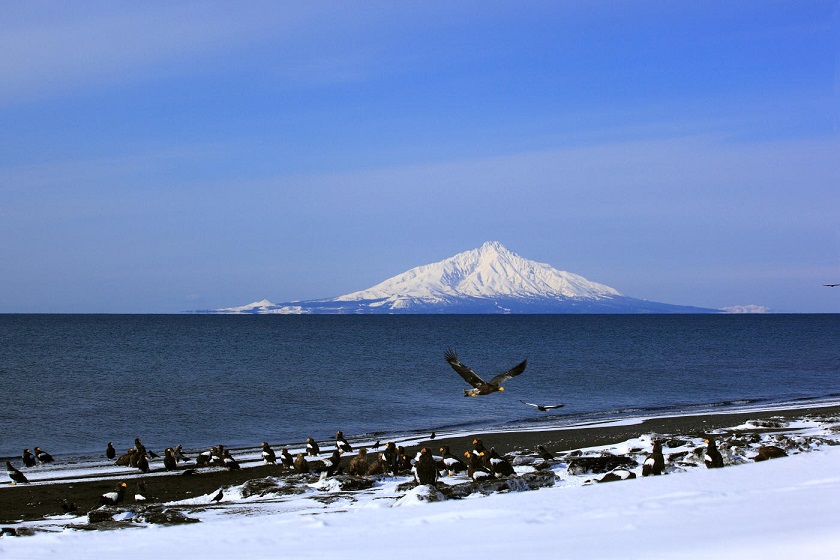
x=576, y=452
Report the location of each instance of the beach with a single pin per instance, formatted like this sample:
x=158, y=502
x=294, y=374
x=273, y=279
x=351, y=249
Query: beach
x=32, y=502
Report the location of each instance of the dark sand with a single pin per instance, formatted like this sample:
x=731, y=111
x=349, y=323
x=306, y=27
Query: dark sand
x=31, y=502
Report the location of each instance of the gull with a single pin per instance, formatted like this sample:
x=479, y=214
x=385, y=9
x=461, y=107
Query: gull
x=543, y=407
x=481, y=387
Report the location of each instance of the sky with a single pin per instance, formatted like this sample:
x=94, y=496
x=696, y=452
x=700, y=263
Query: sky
x=162, y=157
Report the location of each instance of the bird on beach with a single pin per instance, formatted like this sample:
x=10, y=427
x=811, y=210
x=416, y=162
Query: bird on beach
x=169, y=461
x=478, y=446
x=43, y=456
x=545, y=453
x=452, y=464
x=655, y=463
x=713, y=458
x=286, y=458
x=15, y=475
x=143, y=463
x=178, y=453
x=544, y=407
x=341, y=443
x=110, y=452
x=479, y=386
x=359, y=464
x=28, y=458
x=268, y=454
x=229, y=462
x=312, y=448
x=301, y=464
x=333, y=463
x=476, y=469
x=124, y=460
x=499, y=466
x=424, y=469
x=113, y=498
x=218, y=497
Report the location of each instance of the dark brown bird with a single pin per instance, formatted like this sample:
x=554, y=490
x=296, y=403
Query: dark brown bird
x=478, y=446
x=229, y=462
x=301, y=464
x=286, y=458
x=28, y=458
x=378, y=466
x=143, y=463
x=499, y=466
x=332, y=465
x=655, y=463
x=359, y=464
x=113, y=498
x=312, y=448
x=713, y=458
x=341, y=443
x=425, y=470
x=545, y=453
x=451, y=463
x=766, y=452
x=476, y=469
x=43, y=456
x=390, y=456
x=16, y=476
x=481, y=387
x=169, y=462
x=268, y=454
x=124, y=460
x=110, y=452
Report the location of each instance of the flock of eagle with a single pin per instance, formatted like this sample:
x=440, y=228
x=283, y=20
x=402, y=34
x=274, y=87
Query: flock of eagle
x=480, y=462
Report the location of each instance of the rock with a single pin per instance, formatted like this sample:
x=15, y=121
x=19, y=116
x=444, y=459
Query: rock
x=422, y=493
x=348, y=483
x=602, y=464
x=527, y=481
x=269, y=485
x=618, y=474
x=160, y=516
x=103, y=514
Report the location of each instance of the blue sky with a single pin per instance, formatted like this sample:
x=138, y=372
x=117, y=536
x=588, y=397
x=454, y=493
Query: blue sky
x=161, y=157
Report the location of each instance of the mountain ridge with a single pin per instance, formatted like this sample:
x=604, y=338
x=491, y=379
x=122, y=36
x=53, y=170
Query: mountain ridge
x=489, y=279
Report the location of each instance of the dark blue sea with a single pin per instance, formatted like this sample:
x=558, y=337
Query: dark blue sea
x=71, y=383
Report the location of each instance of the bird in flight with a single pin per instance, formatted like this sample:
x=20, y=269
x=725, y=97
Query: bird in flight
x=479, y=386
x=831, y=285
x=544, y=407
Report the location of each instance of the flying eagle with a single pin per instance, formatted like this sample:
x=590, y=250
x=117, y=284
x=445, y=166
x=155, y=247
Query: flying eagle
x=543, y=407
x=481, y=387
x=831, y=285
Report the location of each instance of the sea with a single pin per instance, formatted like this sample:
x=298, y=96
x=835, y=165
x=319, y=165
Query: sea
x=72, y=383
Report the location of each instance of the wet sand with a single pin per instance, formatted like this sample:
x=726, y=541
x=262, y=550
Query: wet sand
x=31, y=502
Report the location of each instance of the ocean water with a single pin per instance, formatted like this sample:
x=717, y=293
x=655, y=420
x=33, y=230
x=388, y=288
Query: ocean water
x=71, y=383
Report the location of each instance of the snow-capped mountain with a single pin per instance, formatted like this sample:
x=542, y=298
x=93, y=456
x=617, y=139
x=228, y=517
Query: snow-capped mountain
x=490, y=279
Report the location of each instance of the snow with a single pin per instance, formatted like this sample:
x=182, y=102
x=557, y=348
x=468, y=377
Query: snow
x=782, y=508
x=489, y=271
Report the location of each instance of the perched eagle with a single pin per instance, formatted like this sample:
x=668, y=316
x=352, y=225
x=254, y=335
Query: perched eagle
x=481, y=387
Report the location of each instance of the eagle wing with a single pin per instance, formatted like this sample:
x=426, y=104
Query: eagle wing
x=469, y=375
x=513, y=372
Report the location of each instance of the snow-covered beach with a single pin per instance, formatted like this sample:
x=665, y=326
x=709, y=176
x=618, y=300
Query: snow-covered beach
x=748, y=509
